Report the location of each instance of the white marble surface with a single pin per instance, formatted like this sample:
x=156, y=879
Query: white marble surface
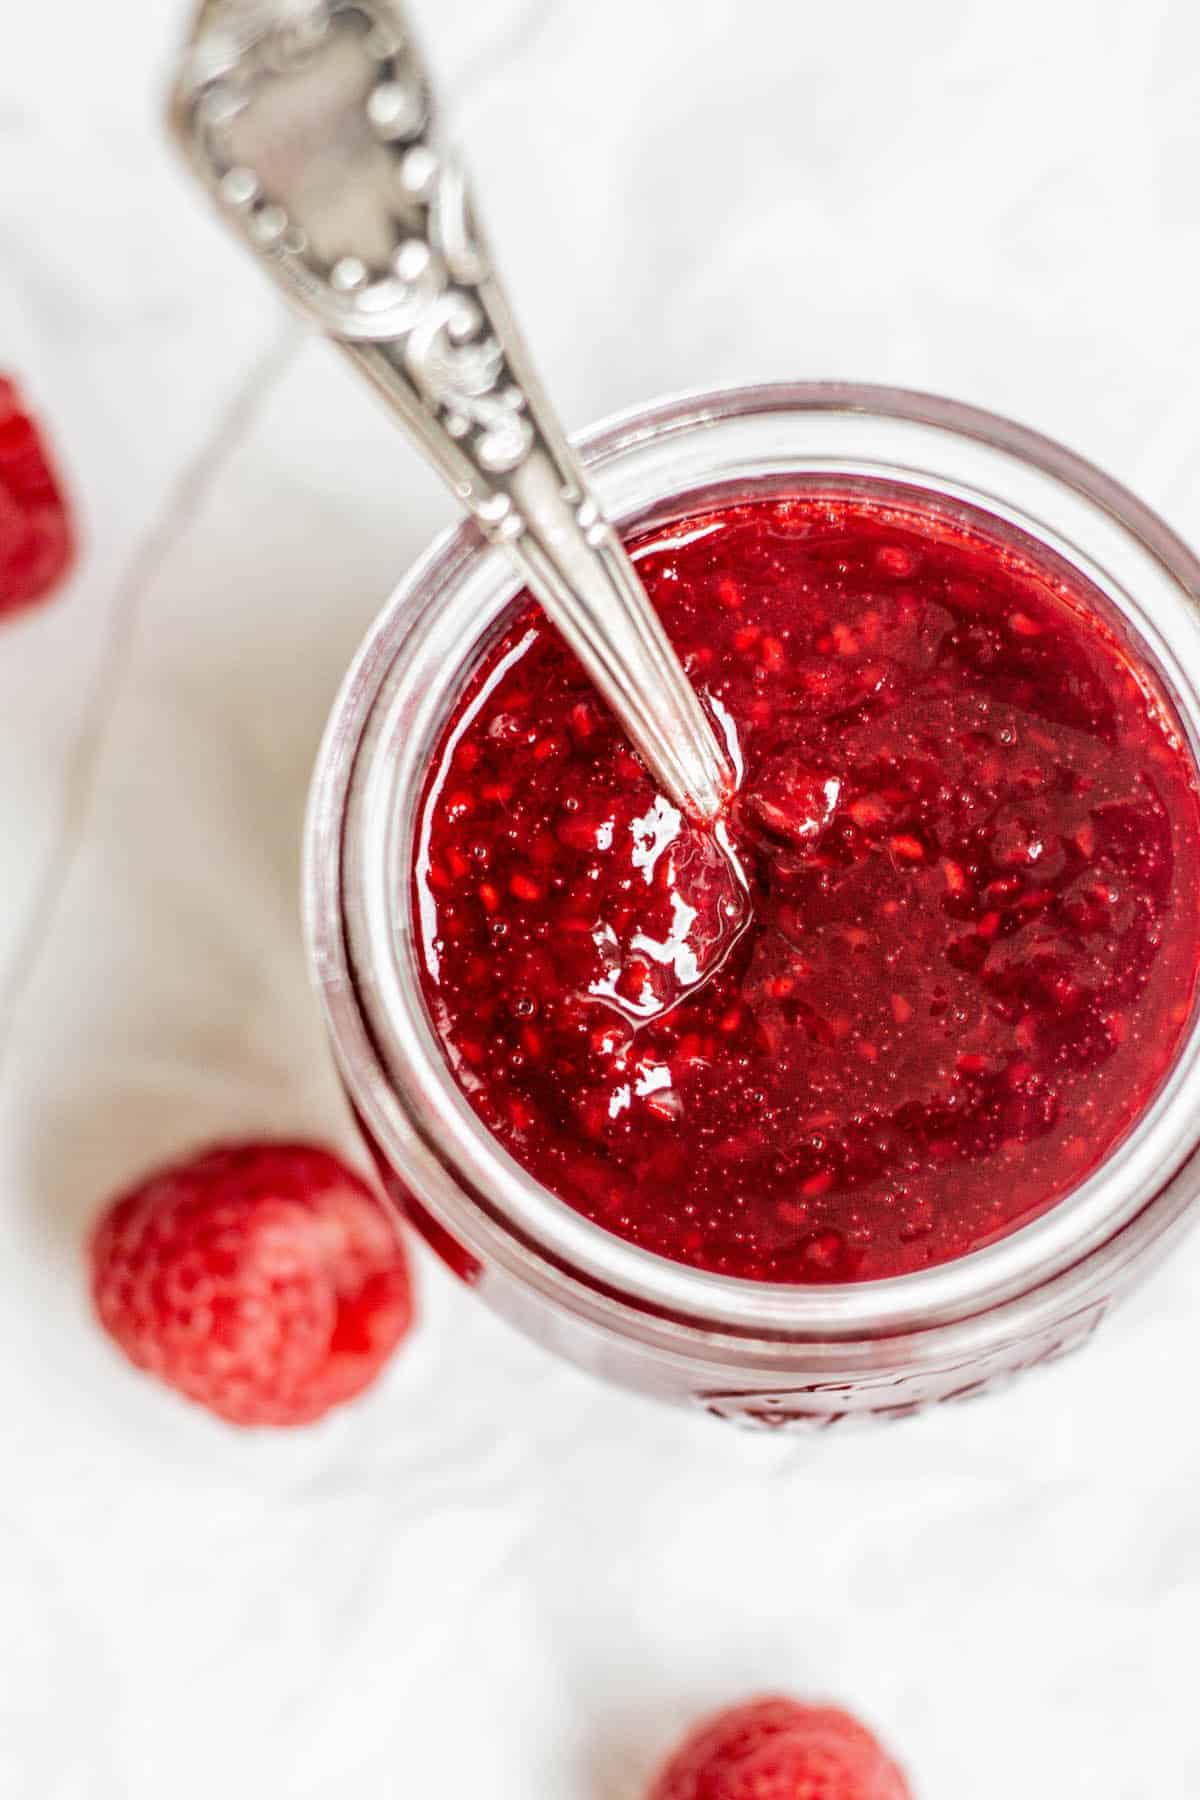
x=494, y=1577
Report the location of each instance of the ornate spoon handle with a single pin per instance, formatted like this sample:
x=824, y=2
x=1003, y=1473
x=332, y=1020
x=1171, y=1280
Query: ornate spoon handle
x=314, y=125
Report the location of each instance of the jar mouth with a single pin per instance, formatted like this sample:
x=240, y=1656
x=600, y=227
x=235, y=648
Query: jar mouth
x=670, y=458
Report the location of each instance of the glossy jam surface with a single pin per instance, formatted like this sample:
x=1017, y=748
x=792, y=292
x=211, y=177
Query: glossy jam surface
x=970, y=834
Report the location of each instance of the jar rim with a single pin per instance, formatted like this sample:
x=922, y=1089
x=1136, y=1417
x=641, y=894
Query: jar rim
x=397, y=695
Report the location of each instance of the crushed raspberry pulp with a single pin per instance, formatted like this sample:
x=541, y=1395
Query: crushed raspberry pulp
x=966, y=951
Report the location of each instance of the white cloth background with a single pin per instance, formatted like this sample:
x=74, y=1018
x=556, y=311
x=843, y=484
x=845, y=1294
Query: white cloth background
x=494, y=1577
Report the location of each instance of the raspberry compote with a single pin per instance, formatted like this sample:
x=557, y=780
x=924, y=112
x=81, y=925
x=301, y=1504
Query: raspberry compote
x=965, y=952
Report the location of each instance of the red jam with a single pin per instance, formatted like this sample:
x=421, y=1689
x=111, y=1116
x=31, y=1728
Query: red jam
x=970, y=832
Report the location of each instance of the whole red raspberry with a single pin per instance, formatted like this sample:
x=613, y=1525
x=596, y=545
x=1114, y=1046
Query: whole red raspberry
x=263, y=1280
x=777, y=1749
x=36, y=539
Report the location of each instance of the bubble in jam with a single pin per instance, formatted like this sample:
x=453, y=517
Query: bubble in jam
x=950, y=959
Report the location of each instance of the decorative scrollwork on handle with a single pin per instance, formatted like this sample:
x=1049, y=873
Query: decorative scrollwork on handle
x=463, y=375
x=416, y=293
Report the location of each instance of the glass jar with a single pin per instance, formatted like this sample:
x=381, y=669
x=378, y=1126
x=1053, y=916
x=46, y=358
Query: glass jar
x=751, y=1351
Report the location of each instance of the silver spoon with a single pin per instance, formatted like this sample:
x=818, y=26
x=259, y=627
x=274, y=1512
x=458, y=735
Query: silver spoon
x=314, y=125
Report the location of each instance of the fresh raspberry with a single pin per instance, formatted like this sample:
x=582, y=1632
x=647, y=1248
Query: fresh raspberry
x=777, y=1749
x=37, y=542
x=263, y=1280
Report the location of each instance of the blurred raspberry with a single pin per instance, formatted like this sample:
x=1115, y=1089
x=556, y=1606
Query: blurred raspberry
x=263, y=1280
x=777, y=1749
x=37, y=542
